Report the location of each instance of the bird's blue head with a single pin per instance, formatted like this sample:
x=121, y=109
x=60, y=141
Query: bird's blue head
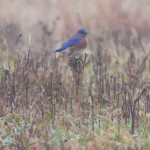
x=82, y=31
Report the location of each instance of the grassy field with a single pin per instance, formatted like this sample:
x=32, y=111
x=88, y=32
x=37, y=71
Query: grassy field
x=99, y=102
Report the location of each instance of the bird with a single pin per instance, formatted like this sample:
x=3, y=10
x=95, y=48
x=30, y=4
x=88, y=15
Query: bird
x=75, y=45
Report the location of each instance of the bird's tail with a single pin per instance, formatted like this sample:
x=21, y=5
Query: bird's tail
x=51, y=53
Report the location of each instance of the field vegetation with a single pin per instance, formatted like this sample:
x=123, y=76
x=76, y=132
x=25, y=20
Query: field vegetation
x=100, y=101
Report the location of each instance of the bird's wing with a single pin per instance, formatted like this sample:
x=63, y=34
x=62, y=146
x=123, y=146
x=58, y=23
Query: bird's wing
x=74, y=41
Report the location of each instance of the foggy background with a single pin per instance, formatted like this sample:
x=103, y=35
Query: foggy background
x=49, y=22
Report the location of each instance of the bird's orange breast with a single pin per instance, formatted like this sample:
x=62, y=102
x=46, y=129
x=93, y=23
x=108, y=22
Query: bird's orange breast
x=81, y=46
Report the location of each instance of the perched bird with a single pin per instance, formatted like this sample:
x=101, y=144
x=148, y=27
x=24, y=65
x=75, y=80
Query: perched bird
x=75, y=45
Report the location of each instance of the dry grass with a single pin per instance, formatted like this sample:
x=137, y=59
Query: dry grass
x=46, y=102
x=101, y=101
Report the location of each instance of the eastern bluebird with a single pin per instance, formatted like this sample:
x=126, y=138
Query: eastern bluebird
x=75, y=45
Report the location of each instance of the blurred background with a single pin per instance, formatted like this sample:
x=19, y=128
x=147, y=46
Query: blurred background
x=49, y=22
